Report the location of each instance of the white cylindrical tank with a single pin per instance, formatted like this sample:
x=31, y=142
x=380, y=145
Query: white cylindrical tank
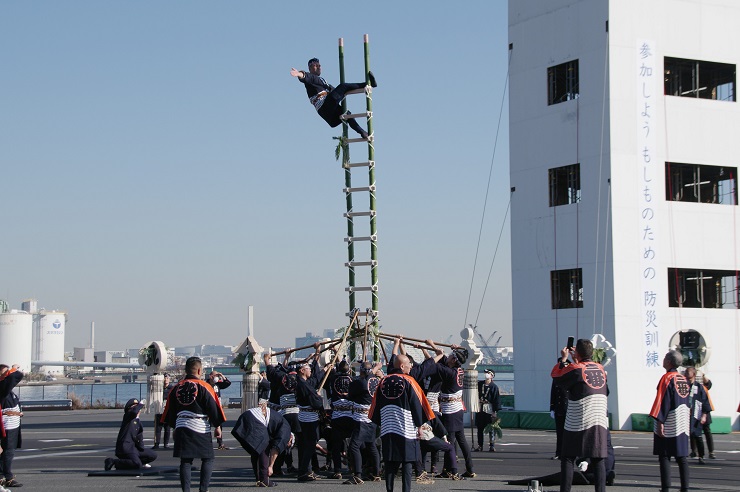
x=16, y=334
x=48, y=341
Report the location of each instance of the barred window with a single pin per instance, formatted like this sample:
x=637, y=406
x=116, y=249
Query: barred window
x=567, y=288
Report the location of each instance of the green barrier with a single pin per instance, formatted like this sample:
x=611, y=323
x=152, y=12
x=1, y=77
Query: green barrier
x=509, y=420
x=507, y=401
x=721, y=425
x=642, y=422
x=536, y=420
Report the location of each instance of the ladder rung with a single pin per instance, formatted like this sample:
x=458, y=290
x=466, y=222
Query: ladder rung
x=361, y=164
x=354, y=116
x=361, y=238
x=372, y=313
x=374, y=288
x=371, y=213
x=361, y=188
x=355, y=140
x=367, y=89
x=371, y=263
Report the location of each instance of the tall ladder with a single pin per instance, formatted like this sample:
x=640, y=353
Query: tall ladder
x=349, y=190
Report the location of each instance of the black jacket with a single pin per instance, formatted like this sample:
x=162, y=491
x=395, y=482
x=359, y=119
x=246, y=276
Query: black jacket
x=255, y=437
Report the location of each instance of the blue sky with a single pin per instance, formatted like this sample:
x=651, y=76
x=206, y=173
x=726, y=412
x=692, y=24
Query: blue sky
x=162, y=171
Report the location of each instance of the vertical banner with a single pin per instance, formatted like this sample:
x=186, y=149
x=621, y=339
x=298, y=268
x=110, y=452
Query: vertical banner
x=649, y=168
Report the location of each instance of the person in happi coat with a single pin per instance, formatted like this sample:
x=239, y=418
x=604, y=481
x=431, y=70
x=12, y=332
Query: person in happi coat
x=282, y=378
x=707, y=426
x=451, y=404
x=342, y=423
x=10, y=423
x=400, y=409
x=158, y=426
x=263, y=388
x=360, y=394
x=130, y=451
x=219, y=383
x=193, y=409
x=558, y=409
x=264, y=434
x=310, y=405
x=672, y=419
x=700, y=408
x=586, y=424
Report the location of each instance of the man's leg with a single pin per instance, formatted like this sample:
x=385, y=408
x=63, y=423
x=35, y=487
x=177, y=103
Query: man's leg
x=559, y=429
x=373, y=458
x=263, y=465
x=185, y=465
x=465, y=450
x=710, y=440
x=566, y=473
x=9, y=444
x=479, y=425
x=699, y=446
x=147, y=456
x=167, y=431
x=157, y=430
x=391, y=467
x=337, y=446
x=665, y=472
x=683, y=471
x=341, y=90
x=406, y=476
x=598, y=466
x=206, y=469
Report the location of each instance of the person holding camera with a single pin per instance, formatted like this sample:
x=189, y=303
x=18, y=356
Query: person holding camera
x=587, y=424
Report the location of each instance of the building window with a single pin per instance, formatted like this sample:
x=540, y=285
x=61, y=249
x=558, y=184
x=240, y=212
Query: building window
x=562, y=82
x=567, y=288
x=701, y=79
x=565, y=185
x=700, y=184
x=715, y=289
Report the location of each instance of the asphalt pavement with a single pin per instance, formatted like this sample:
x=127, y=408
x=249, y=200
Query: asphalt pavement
x=60, y=448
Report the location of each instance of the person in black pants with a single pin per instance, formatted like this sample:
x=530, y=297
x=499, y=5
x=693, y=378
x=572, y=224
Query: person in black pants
x=158, y=425
x=326, y=98
x=490, y=404
x=130, y=451
x=10, y=422
x=310, y=404
x=558, y=409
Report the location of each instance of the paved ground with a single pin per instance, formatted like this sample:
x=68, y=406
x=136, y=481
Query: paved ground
x=61, y=448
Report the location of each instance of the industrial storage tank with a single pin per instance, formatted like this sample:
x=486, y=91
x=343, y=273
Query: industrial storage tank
x=16, y=334
x=48, y=340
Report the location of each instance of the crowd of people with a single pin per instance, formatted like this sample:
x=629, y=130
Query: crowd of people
x=383, y=425
x=578, y=403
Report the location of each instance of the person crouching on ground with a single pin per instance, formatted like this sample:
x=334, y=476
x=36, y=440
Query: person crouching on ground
x=264, y=434
x=130, y=451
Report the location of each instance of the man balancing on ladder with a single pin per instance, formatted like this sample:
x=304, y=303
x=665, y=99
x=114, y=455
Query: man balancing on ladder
x=327, y=99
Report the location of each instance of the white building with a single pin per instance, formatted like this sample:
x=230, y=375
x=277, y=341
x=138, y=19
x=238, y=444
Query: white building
x=624, y=160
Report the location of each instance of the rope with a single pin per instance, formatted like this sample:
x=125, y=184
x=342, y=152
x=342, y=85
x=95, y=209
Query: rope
x=578, y=210
x=490, y=270
x=606, y=247
x=488, y=189
x=598, y=201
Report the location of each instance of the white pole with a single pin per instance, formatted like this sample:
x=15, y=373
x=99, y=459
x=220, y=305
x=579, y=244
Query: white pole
x=250, y=321
x=92, y=335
